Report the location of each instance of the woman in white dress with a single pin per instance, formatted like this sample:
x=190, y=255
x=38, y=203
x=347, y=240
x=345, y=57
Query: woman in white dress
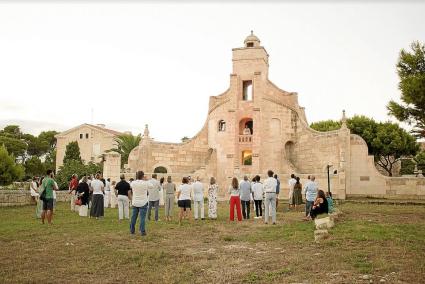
x=212, y=199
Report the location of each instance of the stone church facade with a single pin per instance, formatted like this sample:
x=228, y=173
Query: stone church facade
x=255, y=126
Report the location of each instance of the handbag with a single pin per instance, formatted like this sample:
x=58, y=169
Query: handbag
x=78, y=202
x=43, y=194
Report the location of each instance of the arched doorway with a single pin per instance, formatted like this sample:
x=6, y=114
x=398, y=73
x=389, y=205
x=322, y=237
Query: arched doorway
x=289, y=151
x=160, y=170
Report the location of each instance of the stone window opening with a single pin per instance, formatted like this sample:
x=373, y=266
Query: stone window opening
x=247, y=158
x=221, y=126
x=250, y=44
x=81, y=136
x=246, y=126
x=87, y=136
x=247, y=90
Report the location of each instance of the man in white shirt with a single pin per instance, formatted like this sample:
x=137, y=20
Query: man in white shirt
x=139, y=200
x=245, y=196
x=198, y=197
x=154, y=197
x=269, y=186
x=291, y=183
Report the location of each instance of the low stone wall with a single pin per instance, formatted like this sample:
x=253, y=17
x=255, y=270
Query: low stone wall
x=394, y=188
x=23, y=197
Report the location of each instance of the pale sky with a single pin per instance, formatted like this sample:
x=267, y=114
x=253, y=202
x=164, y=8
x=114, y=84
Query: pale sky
x=158, y=63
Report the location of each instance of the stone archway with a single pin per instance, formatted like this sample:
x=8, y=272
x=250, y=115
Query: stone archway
x=160, y=170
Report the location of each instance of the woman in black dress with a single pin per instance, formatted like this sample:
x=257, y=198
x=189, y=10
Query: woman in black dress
x=83, y=191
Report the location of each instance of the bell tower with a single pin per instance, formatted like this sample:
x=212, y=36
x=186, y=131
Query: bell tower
x=250, y=59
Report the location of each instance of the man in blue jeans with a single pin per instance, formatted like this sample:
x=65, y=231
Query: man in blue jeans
x=139, y=200
x=310, y=195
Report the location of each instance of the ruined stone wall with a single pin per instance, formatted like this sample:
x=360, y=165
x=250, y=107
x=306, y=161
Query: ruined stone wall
x=365, y=180
x=175, y=157
x=23, y=197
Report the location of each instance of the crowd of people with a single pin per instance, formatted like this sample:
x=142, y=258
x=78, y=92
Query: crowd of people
x=91, y=194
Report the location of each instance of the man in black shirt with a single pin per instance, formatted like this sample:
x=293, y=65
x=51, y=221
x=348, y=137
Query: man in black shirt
x=121, y=190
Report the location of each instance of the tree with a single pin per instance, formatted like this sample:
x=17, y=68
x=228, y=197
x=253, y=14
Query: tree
x=411, y=70
x=125, y=143
x=14, y=146
x=74, y=167
x=390, y=144
x=34, y=167
x=184, y=139
x=12, y=130
x=72, y=152
x=366, y=128
x=9, y=170
x=420, y=161
x=36, y=146
x=49, y=138
x=326, y=125
x=387, y=141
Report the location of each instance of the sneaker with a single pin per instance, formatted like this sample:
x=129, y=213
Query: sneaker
x=143, y=233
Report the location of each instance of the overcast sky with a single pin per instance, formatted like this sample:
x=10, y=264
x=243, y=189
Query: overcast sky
x=157, y=64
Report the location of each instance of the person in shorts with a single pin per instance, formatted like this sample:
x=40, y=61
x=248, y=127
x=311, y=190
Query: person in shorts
x=49, y=186
x=184, y=199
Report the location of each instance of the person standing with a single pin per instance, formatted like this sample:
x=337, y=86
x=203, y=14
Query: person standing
x=83, y=193
x=139, y=197
x=49, y=186
x=34, y=190
x=245, y=196
x=169, y=189
x=291, y=183
x=235, y=200
x=257, y=190
x=161, y=191
x=107, y=197
x=72, y=187
x=198, y=198
x=184, y=199
x=310, y=195
x=113, y=195
x=122, y=189
x=212, y=199
x=297, y=197
x=270, y=197
x=277, y=189
x=154, y=197
x=97, y=188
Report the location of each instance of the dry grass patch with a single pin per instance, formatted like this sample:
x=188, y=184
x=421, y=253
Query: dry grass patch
x=379, y=241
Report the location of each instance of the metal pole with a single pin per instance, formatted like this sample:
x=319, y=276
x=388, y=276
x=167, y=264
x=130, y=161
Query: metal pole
x=329, y=180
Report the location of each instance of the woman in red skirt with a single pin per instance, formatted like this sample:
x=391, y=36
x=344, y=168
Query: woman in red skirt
x=235, y=200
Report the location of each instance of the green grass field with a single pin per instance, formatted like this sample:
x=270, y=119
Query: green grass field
x=371, y=241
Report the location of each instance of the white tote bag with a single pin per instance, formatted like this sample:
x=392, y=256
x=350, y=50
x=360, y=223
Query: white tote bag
x=83, y=210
